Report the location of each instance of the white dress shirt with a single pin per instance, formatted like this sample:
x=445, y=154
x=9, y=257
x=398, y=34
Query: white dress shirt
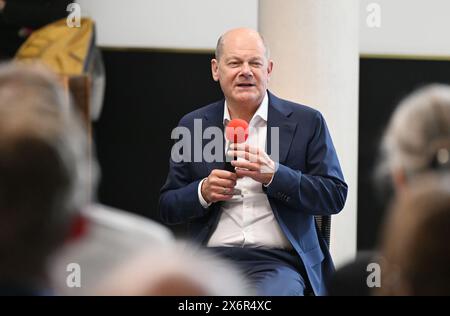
x=247, y=220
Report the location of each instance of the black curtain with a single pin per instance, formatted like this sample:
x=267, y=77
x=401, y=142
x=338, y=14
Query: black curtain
x=146, y=95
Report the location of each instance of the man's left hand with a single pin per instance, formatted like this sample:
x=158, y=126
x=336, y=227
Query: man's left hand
x=256, y=163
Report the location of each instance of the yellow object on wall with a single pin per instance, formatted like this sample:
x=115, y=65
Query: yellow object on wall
x=62, y=48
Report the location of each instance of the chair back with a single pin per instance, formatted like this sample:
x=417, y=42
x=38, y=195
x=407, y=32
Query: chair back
x=323, y=224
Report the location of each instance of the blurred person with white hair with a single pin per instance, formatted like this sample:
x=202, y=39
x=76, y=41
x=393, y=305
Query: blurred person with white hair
x=111, y=238
x=47, y=179
x=180, y=269
x=417, y=139
x=415, y=142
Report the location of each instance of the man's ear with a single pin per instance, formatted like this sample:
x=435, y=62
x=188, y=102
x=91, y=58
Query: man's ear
x=215, y=69
x=269, y=68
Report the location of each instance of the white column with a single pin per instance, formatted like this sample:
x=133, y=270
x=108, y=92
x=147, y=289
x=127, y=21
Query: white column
x=314, y=45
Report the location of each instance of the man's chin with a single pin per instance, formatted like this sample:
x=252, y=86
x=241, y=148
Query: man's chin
x=247, y=98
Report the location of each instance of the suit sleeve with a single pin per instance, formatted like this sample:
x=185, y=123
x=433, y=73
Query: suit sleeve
x=179, y=201
x=318, y=190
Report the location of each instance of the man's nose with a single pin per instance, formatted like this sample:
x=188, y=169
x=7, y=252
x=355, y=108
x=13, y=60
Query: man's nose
x=246, y=70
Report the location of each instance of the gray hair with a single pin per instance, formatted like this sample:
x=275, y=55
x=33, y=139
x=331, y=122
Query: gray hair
x=219, y=47
x=46, y=173
x=418, y=135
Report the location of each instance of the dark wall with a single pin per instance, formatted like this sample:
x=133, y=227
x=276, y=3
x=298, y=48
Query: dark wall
x=147, y=93
x=383, y=83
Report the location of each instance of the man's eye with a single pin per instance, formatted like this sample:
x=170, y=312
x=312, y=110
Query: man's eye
x=256, y=64
x=233, y=64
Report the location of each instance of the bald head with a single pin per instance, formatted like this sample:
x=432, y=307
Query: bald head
x=240, y=34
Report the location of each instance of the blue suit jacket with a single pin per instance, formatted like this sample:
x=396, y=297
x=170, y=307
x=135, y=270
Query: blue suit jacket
x=308, y=182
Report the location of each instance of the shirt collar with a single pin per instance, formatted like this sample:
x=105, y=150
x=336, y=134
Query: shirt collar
x=261, y=112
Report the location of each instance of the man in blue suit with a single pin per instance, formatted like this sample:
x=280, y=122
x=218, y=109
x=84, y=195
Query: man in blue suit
x=261, y=216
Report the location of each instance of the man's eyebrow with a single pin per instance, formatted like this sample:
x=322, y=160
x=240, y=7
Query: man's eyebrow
x=232, y=57
x=255, y=58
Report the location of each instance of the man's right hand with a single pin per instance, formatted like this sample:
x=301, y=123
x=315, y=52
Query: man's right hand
x=219, y=186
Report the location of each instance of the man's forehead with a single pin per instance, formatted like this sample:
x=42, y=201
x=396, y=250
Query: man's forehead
x=243, y=40
x=241, y=47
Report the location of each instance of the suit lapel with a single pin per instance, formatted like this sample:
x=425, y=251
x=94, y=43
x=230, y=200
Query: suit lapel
x=215, y=118
x=279, y=117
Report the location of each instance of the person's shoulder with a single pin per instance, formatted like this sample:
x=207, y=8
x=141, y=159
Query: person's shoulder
x=303, y=110
x=201, y=112
x=118, y=222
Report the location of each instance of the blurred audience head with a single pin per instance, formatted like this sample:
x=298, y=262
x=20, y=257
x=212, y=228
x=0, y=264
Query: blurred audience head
x=112, y=237
x=178, y=269
x=417, y=138
x=43, y=171
x=415, y=249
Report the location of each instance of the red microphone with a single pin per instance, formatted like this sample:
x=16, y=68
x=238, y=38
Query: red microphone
x=235, y=132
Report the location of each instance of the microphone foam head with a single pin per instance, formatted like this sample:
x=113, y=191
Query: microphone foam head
x=237, y=131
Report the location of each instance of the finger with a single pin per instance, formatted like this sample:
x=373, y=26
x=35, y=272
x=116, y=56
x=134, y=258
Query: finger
x=223, y=183
x=266, y=169
x=220, y=197
x=222, y=190
x=262, y=159
x=264, y=155
x=245, y=147
x=247, y=173
x=223, y=174
x=243, y=154
x=246, y=165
